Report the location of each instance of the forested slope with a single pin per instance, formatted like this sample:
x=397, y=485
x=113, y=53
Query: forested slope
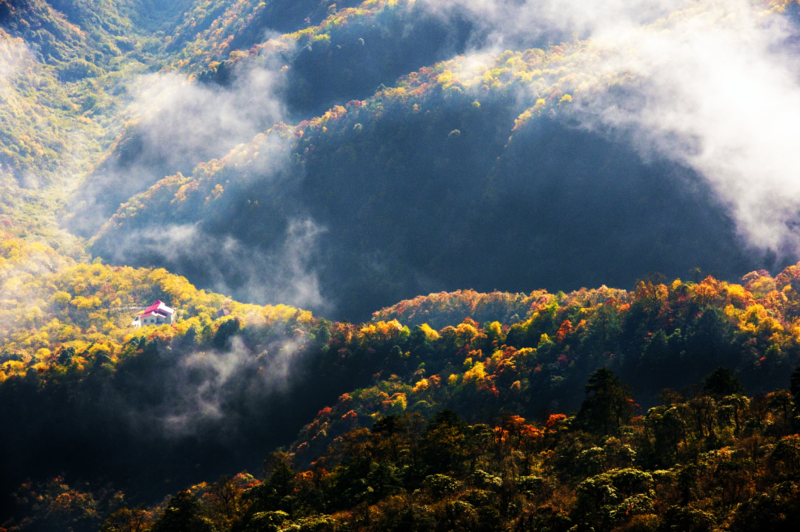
x=456, y=177
x=476, y=171
x=182, y=398
x=347, y=56
x=291, y=176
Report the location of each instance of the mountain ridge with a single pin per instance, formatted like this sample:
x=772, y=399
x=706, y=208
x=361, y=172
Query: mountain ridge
x=290, y=176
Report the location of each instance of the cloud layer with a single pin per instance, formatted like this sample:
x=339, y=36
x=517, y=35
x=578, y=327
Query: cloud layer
x=177, y=123
x=210, y=386
x=716, y=89
x=284, y=273
x=187, y=121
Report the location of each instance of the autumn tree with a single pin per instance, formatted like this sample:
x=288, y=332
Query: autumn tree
x=225, y=496
x=127, y=520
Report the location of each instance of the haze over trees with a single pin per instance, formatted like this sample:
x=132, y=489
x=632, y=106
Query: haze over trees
x=294, y=176
x=355, y=141
x=181, y=398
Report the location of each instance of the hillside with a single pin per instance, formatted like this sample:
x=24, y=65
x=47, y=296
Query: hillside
x=347, y=56
x=456, y=171
x=183, y=396
x=292, y=177
x=441, y=181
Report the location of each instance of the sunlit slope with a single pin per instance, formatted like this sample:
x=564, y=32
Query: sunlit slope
x=62, y=85
x=210, y=31
x=52, y=130
x=452, y=308
x=228, y=382
x=660, y=335
x=301, y=74
x=72, y=369
x=50, y=303
x=470, y=173
x=61, y=64
x=69, y=72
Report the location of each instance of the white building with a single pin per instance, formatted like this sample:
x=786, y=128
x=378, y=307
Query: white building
x=156, y=314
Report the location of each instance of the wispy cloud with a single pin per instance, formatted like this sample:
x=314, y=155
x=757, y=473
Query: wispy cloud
x=183, y=120
x=717, y=91
x=176, y=124
x=513, y=23
x=214, y=388
x=285, y=273
x=13, y=56
x=715, y=88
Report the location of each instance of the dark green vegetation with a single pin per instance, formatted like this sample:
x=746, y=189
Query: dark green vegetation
x=341, y=157
x=430, y=171
x=444, y=474
x=214, y=393
x=699, y=464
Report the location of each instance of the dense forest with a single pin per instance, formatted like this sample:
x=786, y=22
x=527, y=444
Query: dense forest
x=396, y=143
x=292, y=177
x=684, y=378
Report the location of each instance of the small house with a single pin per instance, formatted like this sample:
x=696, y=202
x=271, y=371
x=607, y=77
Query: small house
x=156, y=314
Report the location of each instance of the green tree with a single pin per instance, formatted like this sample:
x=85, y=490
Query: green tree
x=721, y=383
x=183, y=514
x=608, y=404
x=225, y=332
x=275, y=493
x=780, y=402
x=795, y=391
x=682, y=519
x=444, y=444
x=736, y=407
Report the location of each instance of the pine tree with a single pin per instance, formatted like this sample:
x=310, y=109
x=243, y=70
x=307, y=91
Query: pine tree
x=608, y=404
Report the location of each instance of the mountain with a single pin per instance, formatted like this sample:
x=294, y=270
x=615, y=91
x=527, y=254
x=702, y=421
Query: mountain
x=456, y=171
x=166, y=406
x=293, y=176
x=319, y=66
x=437, y=183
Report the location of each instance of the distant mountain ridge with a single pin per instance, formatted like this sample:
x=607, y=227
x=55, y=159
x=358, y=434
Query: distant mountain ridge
x=423, y=181
x=448, y=177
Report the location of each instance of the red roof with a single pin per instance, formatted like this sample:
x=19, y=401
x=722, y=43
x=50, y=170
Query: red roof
x=158, y=305
x=154, y=313
x=158, y=308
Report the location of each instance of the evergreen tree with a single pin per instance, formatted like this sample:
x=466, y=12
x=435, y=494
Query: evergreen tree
x=721, y=383
x=183, y=514
x=608, y=404
x=795, y=391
